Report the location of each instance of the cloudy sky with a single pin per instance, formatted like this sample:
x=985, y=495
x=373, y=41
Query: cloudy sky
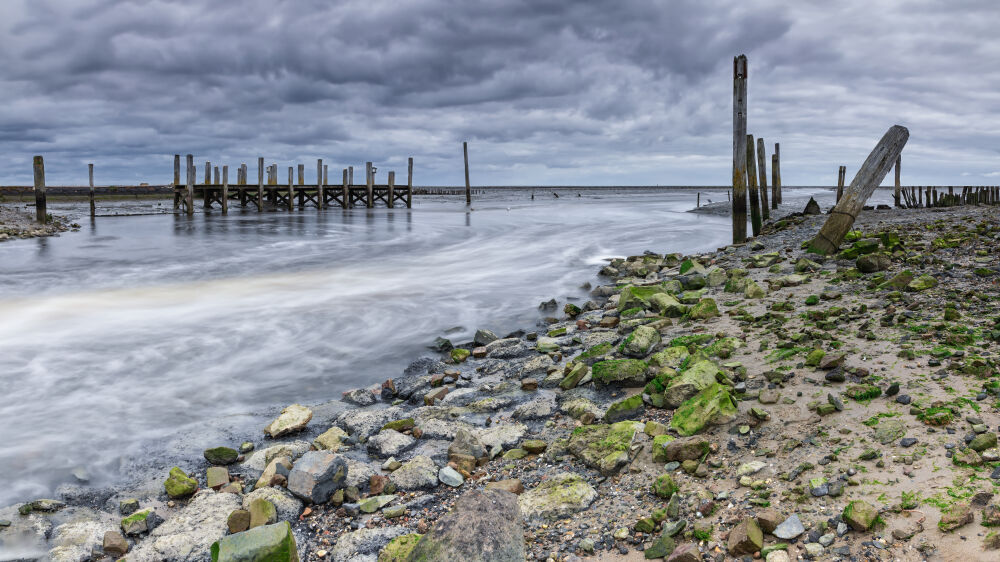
x=546, y=92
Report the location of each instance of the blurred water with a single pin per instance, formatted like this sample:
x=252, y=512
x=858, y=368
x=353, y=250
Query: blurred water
x=135, y=328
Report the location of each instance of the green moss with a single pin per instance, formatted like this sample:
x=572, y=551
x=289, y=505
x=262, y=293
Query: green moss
x=713, y=405
x=863, y=392
x=598, y=350
x=459, y=355
x=398, y=549
x=620, y=370
x=179, y=485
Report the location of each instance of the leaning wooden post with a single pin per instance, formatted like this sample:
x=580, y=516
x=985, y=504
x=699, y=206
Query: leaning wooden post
x=370, y=183
x=38, y=166
x=177, y=180
x=345, y=201
x=326, y=179
x=777, y=170
x=841, y=172
x=409, y=183
x=190, y=184
x=392, y=181
x=468, y=188
x=755, y=221
x=225, y=190
x=260, y=184
x=869, y=176
x=762, y=173
x=896, y=193
x=739, y=149
x=320, y=180
x=291, y=189
x=90, y=172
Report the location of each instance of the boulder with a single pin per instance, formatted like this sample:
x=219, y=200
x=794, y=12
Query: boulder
x=624, y=372
x=705, y=309
x=562, y=494
x=667, y=305
x=484, y=526
x=189, y=534
x=390, y=443
x=114, y=544
x=317, y=475
x=686, y=448
x=711, y=406
x=629, y=408
x=664, y=486
x=465, y=444
x=694, y=379
x=399, y=548
x=921, y=283
x=293, y=418
x=745, y=538
x=959, y=515
x=262, y=512
x=269, y=543
x=484, y=337
x=179, y=485
x=640, y=342
x=870, y=263
x=364, y=544
x=140, y=522
x=604, y=447
x=812, y=207
x=419, y=473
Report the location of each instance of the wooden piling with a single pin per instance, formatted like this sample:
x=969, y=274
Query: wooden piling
x=208, y=173
x=841, y=172
x=90, y=173
x=350, y=175
x=409, y=183
x=38, y=167
x=260, y=184
x=920, y=197
x=190, y=184
x=776, y=174
x=755, y=220
x=216, y=175
x=177, y=180
x=762, y=173
x=869, y=176
x=345, y=201
x=739, y=149
x=302, y=174
x=697, y=201
x=225, y=190
x=320, y=181
x=291, y=189
x=468, y=188
x=392, y=181
x=895, y=196
x=370, y=182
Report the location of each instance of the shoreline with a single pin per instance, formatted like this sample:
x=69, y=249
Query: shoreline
x=489, y=400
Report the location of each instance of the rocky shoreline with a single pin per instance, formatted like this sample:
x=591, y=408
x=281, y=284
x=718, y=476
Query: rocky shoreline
x=757, y=401
x=17, y=224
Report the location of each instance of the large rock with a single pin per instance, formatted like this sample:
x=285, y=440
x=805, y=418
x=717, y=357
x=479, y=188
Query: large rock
x=419, y=473
x=188, y=535
x=221, y=455
x=268, y=543
x=745, y=538
x=640, y=342
x=484, y=526
x=179, y=485
x=860, y=515
x=638, y=297
x=501, y=436
x=604, y=447
x=258, y=461
x=705, y=309
x=561, y=495
x=667, y=305
x=330, y=440
x=292, y=419
x=711, y=406
x=75, y=541
x=680, y=450
x=467, y=445
x=629, y=408
x=317, y=475
x=365, y=424
x=624, y=372
x=363, y=545
x=390, y=443
x=691, y=381
x=287, y=505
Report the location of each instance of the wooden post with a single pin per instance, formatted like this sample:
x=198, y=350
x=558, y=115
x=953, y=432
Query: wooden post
x=350, y=175
x=755, y=221
x=190, y=184
x=90, y=172
x=392, y=181
x=762, y=173
x=260, y=184
x=409, y=183
x=869, y=176
x=225, y=190
x=38, y=166
x=208, y=173
x=320, y=180
x=345, y=201
x=177, y=180
x=291, y=189
x=302, y=174
x=896, y=193
x=697, y=201
x=370, y=182
x=920, y=197
x=776, y=175
x=739, y=149
x=468, y=189
x=215, y=175
x=841, y=172
x=326, y=169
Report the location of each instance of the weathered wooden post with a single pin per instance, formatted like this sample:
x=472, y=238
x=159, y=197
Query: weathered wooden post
x=208, y=173
x=869, y=176
x=468, y=188
x=392, y=181
x=755, y=221
x=190, y=184
x=320, y=180
x=177, y=180
x=260, y=184
x=302, y=174
x=762, y=173
x=895, y=195
x=326, y=179
x=409, y=183
x=215, y=175
x=38, y=167
x=291, y=189
x=345, y=201
x=776, y=176
x=350, y=175
x=697, y=201
x=90, y=172
x=370, y=182
x=225, y=190
x=841, y=172
x=739, y=149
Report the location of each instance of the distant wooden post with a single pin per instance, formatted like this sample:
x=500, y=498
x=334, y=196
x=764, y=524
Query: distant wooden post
x=291, y=189
x=260, y=184
x=225, y=190
x=409, y=183
x=841, y=172
x=762, y=173
x=755, y=220
x=697, y=201
x=775, y=195
x=739, y=149
x=38, y=166
x=869, y=176
x=468, y=188
x=350, y=175
x=177, y=180
x=345, y=201
x=392, y=181
x=895, y=196
x=215, y=175
x=776, y=175
x=370, y=183
x=208, y=173
x=90, y=172
x=190, y=184
x=302, y=174
x=320, y=180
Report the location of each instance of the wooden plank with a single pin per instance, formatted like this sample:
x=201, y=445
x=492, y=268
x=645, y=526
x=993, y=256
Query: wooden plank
x=869, y=176
x=468, y=188
x=190, y=184
x=41, y=210
x=762, y=173
x=90, y=173
x=409, y=183
x=755, y=220
x=225, y=190
x=739, y=149
x=392, y=181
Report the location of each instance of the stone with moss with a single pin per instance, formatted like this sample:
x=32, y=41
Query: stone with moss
x=667, y=305
x=330, y=439
x=640, y=342
x=179, y=485
x=664, y=486
x=863, y=392
x=459, y=355
x=575, y=374
x=563, y=494
x=898, y=281
x=724, y=347
x=629, y=408
x=604, y=447
x=960, y=514
x=271, y=543
x=814, y=357
x=705, y=309
x=698, y=376
x=623, y=372
x=634, y=296
x=922, y=283
x=745, y=538
x=399, y=548
x=860, y=515
x=221, y=455
x=983, y=441
x=711, y=406
x=595, y=353
x=137, y=523
x=753, y=290
x=812, y=300
x=671, y=357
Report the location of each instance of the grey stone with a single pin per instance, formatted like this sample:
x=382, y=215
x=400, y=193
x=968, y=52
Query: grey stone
x=288, y=506
x=484, y=526
x=359, y=397
x=390, y=443
x=189, y=534
x=450, y=477
x=355, y=546
x=416, y=474
x=317, y=475
x=789, y=528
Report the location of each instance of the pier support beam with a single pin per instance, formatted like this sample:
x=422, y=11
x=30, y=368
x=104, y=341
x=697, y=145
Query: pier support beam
x=392, y=182
x=177, y=180
x=41, y=211
x=320, y=180
x=739, y=149
x=90, y=174
x=841, y=172
x=225, y=190
x=468, y=188
x=762, y=174
x=190, y=184
x=291, y=188
x=409, y=183
x=370, y=182
x=345, y=201
x=776, y=176
x=755, y=220
x=260, y=184
x=896, y=193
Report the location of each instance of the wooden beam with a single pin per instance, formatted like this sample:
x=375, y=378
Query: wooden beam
x=208, y=173
x=755, y=220
x=291, y=187
x=468, y=188
x=90, y=173
x=38, y=167
x=302, y=174
x=320, y=180
x=350, y=175
x=225, y=190
x=776, y=173
x=869, y=176
x=260, y=184
x=369, y=184
x=739, y=149
x=345, y=200
x=177, y=180
x=762, y=174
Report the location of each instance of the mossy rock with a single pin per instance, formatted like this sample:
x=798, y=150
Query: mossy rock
x=629, y=408
x=400, y=425
x=695, y=378
x=860, y=515
x=898, y=281
x=936, y=416
x=862, y=392
x=671, y=357
x=724, y=347
x=640, y=342
x=659, y=447
x=660, y=382
x=179, y=485
x=753, y=291
x=596, y=352
x=664, y=486
x=273, y=543
x=459, y=355
x=603, y=447
x=705, y=309
x=221, y=455
x=399, y=548
x=576, y=373
x=814, y=357
x=711, y=406
x=690, y=341
x=624, y=372
x=667, y=305
x=922, y=283
x=633, y=296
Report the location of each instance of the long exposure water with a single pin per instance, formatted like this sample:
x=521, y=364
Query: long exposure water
x=139, y=327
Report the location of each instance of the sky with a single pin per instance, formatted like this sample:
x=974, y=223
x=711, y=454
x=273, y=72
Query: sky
x=596, y=92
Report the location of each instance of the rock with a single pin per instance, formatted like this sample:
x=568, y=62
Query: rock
x=640, y=342
x=276, y=472
x=752, y=467
x=623, y=372
x=603, y=447
x=293, y=418
x=889, y=430
x=375, y=503
x=484, y=526
x=259, y=460
x=262, y=512
x=753, y=290
x=688, y=448
x=629, y=408
x=831, y=360
x=221, y=455
x=441, y=345
x=745, y=538
x=692, y=380
x=399, y=548
x=812, y=207
x=316, y=475
x=359, y=397
x=467, y=445
x=268, y=543
x=789, y=528
x=179, y=485
x=330, y=440
x=500, y=436
x=238, y=521
x=769, y=519
x=390, y=443
x=922, y=283
x=661, y=548
x=711, y=406
x=189, y=534
x=512, y=485
x=664, y=486
x=667, y=305
x=216, y=477
x=73, y=541
x=533, y=410
x=484, y=337
x=449, y=476
x=983, y=441
x=418, y=473
x=128, y=506
x=685, y=553
x=860, y=515
x=705, y=309
x=562, y=494
x=959, y=515
x=363, y=545
x=139, y=522
x=870, y=263
x=114, y=544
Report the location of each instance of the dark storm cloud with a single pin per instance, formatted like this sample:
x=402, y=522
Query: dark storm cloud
x=567, y=92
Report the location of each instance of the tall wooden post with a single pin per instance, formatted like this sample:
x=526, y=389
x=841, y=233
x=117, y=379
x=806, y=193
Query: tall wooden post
x=190, y=184
x=739, y=149
x=869, y=176
x=345, y=201
x=392, y=181
x=409, y=183
x=320, y=180
x=776, y=165
x=41, y=209
x=302, y=174
x=468, y=188
x=225, y=190
x=177, y=180
x=841, y=172
x=762, y=173
x=350, y=175
x=215, y=175
x=90, y=173
x=260, y=184
x=755, y=220
x=326, y=179
x=291, y=189
x=208, y=173
x=370, y=184
x=896, y=193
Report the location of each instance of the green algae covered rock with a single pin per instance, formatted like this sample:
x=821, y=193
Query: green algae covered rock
x=629, y=408
x=860, y=515
x=221, y=455
x=268, y=543
x=705, y=309
x=698, y=376
x=459, y=355
x=399, y=548
x=921, y=283
x=664, y=486
x=603, y=447
x=561, y=495
x=179, y=485
x=898, y=281
x=723, y=347
x=638, y=296
x=671, y=357
x=640, y=342
x=623, y=372
x=711, y=406
x=753, y=290
x=667, y=305
x=814, y=357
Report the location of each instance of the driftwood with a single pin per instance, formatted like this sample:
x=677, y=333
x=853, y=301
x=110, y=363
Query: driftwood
x=869, y=176
x=739, y=149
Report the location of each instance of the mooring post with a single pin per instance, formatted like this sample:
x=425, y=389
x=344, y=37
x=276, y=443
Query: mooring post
x=90, y=172
x=869, y=176
x=920, y=197
x=291, y=189
x=895, y=195
x=755, y=220
x=177, y=180
x=320, y=180
x=370, y=182
x=302, y=174
x=409, y=183
x=468, y=188
x=345, y=201
x=350, y=175
x=208, y=173
x=392, y=181
x=841, y=172
x=326, y=169
x=739, y=149
x=775, y=194
x=190, y=184
x=777, y=170
x=38, y=166
x=215, y=175
x=225, y=190
x=762, y=174
x=697, y=201
x=260, y=184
